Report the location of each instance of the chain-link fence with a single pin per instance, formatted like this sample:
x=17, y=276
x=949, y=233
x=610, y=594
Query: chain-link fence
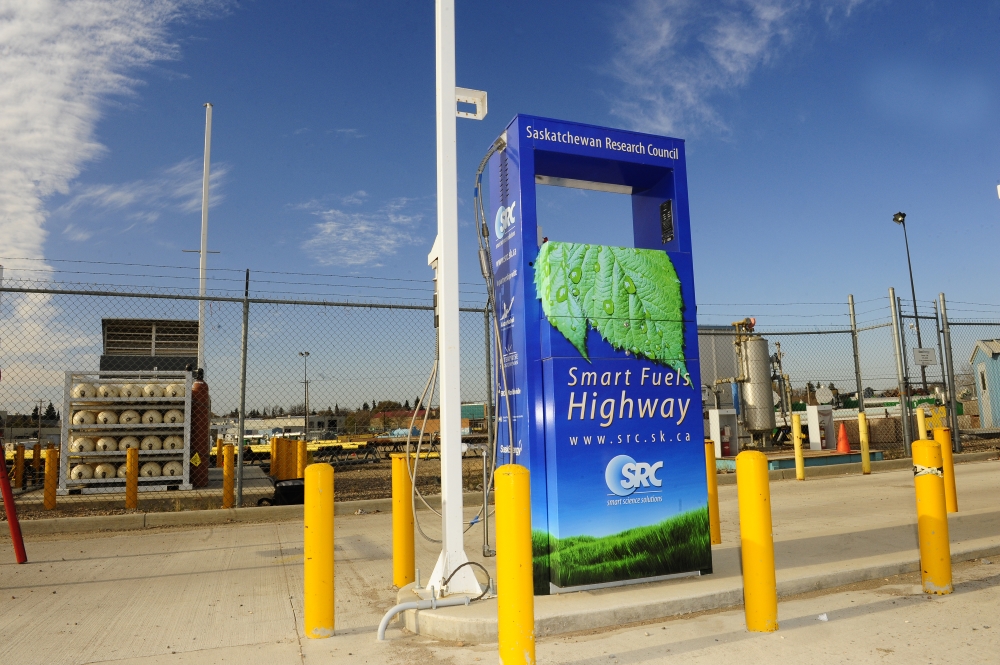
x=360, y=368
x=817, y=366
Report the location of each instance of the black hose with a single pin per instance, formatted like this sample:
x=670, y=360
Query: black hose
x=489, y=577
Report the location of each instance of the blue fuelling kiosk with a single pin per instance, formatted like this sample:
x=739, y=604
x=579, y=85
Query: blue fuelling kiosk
x=598, y=362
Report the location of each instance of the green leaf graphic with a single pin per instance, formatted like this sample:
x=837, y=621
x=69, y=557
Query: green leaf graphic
x=632, y=297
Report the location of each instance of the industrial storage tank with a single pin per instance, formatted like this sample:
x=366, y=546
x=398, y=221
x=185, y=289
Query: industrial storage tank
x=758, y=394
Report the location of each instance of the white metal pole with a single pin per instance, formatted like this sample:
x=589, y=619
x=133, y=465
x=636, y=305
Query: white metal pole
x=203, y=262
x=452, y=546
x=305, y=394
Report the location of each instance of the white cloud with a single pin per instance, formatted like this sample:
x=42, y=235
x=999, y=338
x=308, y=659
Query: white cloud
x=60, y=61
x=350, y=133
x=362, y=238
x=674, y=56
x=356, y=198
x=176, y=188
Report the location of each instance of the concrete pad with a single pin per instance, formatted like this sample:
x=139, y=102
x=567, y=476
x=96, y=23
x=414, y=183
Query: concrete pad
x=233, y=592
x=828, y=547
x=191, y=517
x=855, y=468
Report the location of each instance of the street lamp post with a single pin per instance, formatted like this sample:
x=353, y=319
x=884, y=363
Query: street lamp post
x=305, y=382
x=900, y=218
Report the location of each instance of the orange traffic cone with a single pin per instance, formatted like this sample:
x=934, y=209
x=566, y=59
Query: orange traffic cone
x=843, y=445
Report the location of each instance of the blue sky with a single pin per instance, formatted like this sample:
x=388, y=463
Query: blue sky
x=808, y=124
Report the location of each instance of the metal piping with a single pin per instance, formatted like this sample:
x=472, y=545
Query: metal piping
x=431, y=604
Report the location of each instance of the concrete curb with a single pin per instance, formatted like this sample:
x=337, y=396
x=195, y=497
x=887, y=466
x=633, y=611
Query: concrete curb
x=134, y=521
x=450, y=624
x=855, y=468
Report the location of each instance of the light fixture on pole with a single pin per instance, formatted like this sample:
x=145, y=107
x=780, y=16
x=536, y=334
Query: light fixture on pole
x=900, y=218
x=305, y=382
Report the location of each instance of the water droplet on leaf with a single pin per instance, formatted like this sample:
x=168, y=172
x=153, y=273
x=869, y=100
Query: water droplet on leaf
x=561, y=294
x=575, y=274
x=576, y=292
x=629, y=285
x=609, y=307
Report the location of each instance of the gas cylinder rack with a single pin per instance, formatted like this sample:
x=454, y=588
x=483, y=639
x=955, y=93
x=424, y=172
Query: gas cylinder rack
x=78, y=398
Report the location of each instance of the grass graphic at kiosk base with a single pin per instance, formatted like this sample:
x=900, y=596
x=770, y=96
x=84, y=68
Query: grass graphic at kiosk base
x=632, y=297
x=676, y=545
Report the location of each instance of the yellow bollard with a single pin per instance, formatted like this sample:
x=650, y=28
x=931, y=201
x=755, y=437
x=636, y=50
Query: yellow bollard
x=279, y=460
x=274, y=456
x=711, y=473
x=921, y=423
x=301, y=459
x=276, y=460
x=318, y=546
x=36, y=462
x=800, y=462
x=403, y=562
x=277, y=468
x=515, y=578
x=286, y=452
x=228, y=476
x=866, y=460
x=943, y=436
x=932, y=518
x=51, y=478
x=760, y=594
x=218, y=452
x=288, y=460
x=132, y=479
x=19, y=466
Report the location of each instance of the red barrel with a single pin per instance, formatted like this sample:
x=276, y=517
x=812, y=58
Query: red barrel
x=201, y=422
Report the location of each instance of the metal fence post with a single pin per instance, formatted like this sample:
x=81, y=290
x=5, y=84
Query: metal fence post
x=857, y=357
x=488, y=339
x=243, y=393
x=488, y=451
x=897, y=339
x=937, y=329
x=956, y=439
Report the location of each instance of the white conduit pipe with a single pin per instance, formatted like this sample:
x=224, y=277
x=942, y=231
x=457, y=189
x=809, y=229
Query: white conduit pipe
x=431, y=604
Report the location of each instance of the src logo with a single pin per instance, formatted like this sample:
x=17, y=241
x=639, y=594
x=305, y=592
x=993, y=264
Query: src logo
x=504, y=219
x=624, y=475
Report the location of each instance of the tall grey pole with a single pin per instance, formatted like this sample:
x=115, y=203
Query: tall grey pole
x=203, y=259
x=956, y=438
x=940, y=352
x=488, y=449
x=488, y=406
x=857, y=357
x=913, y=292
x=243, y=393
x=305, y=383
x=897, y=343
